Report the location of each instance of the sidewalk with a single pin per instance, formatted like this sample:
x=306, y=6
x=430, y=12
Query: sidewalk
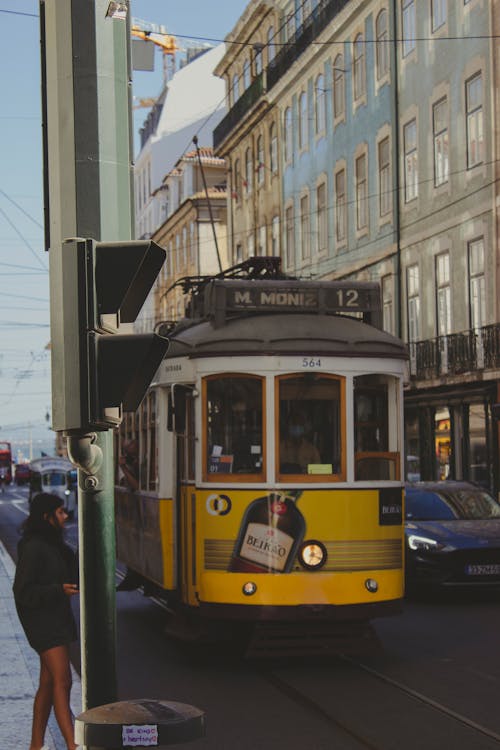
x=19, y=670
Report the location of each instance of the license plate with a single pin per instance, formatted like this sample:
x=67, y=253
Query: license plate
x=482, y=570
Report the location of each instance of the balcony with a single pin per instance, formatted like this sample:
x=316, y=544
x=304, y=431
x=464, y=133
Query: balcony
x=312, y=27
x=455, y=354
x=239, y=109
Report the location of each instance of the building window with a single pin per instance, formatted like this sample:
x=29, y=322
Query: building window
x=477, y=290
x=320, y=110
x=475, y=134
x=258, y=59
x=382, y=48
x=262, y=241
x=246, y=74
x=271, y=47
x=288, y=139
x=275, y=236
x=289, y=235
x=322, y=218
x=387, y=303
x=192, y=241
x=340, y=206
x=251, y=245
x=413, y=298
x=338, y=87
x=443, y=293
x=438, y=13
x=248, y=171
x=235, y=89
x=305, y=227
x=237, y=181
x=303, y=120
x=273, y=149
x=361, y=193
x=260, y=160
x=358, y=63
x=411, y=161
x=440, y=135
x=239, y=253
x=408, y=26
x=384, y=177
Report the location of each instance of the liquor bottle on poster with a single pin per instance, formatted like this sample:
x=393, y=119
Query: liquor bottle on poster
x=271, y=531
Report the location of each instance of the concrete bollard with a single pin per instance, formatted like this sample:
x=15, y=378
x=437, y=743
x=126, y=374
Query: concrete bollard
x=138, y=723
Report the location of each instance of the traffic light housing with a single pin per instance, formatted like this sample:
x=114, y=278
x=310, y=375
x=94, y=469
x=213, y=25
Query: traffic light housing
x=98, y=370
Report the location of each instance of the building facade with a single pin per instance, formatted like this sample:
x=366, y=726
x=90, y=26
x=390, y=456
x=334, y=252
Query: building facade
x=376, y=124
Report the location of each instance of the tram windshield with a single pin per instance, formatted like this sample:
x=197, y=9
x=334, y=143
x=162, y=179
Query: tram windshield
x=234, y=425
x=309, y=424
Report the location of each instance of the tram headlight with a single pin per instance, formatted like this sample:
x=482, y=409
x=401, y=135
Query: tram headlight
x=312, y=555
x=371, y=585
x=249, y=588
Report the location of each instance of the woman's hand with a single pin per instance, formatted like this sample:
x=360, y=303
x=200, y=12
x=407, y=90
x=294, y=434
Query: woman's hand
x=70, y=589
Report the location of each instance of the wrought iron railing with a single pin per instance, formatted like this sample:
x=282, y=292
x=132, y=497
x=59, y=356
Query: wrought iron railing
x=312, y=27
x=246, y=101
x=456, y=354
x=303, y=37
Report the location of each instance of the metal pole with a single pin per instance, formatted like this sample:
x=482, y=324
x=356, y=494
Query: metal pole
x=93, y=454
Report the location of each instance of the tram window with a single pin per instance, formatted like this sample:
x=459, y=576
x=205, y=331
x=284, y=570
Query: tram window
x=375, y=427
x=310, y=436
x=234, y=434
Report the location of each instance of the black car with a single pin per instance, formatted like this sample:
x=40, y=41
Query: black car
x=452, y=535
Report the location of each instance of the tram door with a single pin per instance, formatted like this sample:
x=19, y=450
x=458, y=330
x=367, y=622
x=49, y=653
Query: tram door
x=186, y=497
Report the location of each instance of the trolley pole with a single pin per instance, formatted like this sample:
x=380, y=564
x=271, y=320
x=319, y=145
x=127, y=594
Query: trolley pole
x=86, y=89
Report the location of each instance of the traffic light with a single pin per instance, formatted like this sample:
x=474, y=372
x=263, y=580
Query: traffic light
x=98, y=367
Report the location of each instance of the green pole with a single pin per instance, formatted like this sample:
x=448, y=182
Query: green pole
x=97, y=585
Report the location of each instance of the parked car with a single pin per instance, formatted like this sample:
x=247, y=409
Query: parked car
x=22, y=474
x=452, y=535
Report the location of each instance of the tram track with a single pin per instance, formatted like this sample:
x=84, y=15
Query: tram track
x=314, y=707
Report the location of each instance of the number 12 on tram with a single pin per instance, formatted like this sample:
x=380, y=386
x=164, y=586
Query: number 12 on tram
x=270, y=455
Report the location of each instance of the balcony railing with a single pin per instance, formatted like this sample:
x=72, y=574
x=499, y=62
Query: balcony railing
x=246, y=101
x=456, y=354
x=312, y=27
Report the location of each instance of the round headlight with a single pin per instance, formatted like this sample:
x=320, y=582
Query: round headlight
x=249, y=588
x=371, y=585
x=312, y=555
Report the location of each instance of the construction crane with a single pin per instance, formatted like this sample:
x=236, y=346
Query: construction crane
x=159, y=36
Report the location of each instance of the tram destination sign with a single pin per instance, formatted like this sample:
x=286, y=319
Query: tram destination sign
x=322, y=297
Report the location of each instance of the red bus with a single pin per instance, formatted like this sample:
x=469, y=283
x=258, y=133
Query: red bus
x=5, y=462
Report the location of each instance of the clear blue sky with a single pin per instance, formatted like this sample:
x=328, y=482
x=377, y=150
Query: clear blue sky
x=24, y=281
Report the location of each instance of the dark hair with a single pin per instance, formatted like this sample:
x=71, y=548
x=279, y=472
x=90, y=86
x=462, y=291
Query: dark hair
x=42, y=507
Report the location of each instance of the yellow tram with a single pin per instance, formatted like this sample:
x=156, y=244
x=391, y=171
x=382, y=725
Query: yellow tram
x=270, y=454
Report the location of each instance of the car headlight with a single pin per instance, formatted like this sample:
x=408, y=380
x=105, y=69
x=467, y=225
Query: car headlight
x=423, y=543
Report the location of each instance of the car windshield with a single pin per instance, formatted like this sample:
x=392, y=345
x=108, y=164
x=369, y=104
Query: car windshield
x=449, y=504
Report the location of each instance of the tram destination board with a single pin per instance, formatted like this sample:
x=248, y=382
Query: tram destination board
x=320, y=297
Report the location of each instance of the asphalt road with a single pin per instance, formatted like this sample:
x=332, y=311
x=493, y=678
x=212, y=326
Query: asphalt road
x=432, y=681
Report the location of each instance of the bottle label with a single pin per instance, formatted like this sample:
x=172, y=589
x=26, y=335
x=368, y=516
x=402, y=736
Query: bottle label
x=266, y=546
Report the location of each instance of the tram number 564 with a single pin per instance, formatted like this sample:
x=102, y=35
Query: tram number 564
x=311, y=362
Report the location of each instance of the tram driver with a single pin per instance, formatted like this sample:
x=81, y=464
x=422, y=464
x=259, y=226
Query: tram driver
x=296, y=450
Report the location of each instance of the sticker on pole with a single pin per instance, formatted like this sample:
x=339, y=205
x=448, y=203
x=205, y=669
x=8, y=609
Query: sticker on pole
x=140, y=735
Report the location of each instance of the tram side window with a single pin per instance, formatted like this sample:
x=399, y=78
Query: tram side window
x=234, y=437
x=310, y=436
x=375, y=427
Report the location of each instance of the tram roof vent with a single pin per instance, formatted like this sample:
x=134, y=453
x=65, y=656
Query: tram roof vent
x=223, y=298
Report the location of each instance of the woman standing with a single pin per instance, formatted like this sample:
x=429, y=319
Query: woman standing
x=45, y=580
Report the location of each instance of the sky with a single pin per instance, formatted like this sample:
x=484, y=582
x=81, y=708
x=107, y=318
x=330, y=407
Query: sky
x=25, y=388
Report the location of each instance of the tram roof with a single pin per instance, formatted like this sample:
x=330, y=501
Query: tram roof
x=291, y=333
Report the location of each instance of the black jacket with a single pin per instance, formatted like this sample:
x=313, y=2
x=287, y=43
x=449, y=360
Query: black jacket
x=43, y=608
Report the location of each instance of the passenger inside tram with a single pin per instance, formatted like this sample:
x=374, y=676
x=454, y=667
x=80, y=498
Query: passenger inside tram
x=297, y=451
